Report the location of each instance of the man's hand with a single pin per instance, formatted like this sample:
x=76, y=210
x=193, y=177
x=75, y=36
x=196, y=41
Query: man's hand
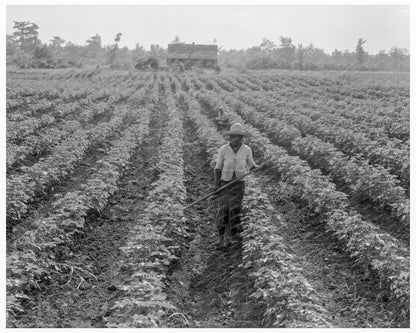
x=258, y=167
x=217, y=176
x=216, y=185
x=255, y=167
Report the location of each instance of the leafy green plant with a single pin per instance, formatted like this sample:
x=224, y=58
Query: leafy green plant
x=319, y=195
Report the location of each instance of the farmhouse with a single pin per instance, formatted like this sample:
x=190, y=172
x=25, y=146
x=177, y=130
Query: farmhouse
x=189, y=54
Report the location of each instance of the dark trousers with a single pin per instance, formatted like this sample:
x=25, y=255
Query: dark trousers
x=229, y=207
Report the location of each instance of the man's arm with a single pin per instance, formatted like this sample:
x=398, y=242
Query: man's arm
x=250, y=161
x=217, y=175
x=218, y=167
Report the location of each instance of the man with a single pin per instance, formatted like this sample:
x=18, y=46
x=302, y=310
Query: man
x=222, y=118
x=234, y=160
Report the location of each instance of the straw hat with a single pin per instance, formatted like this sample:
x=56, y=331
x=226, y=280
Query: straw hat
x=236, y=129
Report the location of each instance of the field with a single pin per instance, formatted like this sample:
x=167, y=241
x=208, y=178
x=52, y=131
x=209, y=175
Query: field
x=100, y=165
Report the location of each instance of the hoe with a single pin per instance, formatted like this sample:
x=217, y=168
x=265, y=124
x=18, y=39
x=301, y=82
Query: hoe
x=223, y=187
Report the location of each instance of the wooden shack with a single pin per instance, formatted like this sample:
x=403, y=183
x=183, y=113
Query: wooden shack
x=191, y=54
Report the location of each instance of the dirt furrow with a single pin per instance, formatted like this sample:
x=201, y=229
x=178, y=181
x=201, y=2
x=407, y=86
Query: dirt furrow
x=207, y=285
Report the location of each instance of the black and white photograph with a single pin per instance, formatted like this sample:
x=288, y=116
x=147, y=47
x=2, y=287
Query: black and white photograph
x=207, y=165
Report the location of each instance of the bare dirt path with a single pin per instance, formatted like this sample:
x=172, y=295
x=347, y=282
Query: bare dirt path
x=207, y=285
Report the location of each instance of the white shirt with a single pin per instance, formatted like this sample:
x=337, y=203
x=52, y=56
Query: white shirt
x=222, y=115
x=229, y=161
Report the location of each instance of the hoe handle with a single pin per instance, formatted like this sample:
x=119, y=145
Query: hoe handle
x=222, y=187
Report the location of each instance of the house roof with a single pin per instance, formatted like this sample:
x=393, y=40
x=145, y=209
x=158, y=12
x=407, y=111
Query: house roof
x=192, y=51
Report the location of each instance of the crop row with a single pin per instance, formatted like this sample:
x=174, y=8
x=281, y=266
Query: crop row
x=39, y=106
x=37, y=254
x=235, y=83
x=360, y=116
x=363, y=180
x=377, y=120
x=22, y=126
x=242, y=83
x=19, y=97
x=343, y=108
x=17, y=130
x=153, y=243
x=262, y=82
x=374, y=114
x=34, y=145
x=366, y=113
x=345, y=139
x=397, y=161
x=36, y=108
x=23, y=189
x=288, y=298
x=355, y=86
x=44, y=140
x=15, y=91
x=366, y=243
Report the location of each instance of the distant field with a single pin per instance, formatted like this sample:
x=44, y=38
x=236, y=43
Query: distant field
x=100, y=165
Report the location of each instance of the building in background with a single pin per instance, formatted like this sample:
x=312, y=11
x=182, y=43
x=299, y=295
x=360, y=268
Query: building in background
x=191, y=54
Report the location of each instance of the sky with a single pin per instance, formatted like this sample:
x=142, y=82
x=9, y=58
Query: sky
x=234, y=26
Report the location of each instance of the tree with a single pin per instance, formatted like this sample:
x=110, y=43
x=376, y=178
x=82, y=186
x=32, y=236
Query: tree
x=400, y=58
x=72, y=50
x=381, y=60
x=94, y=45
x=56, y=43
x=138, y=51
x=267, y=45
x=177, y=41
x=300, y=55
x=287, y=51
x=94, y=41
x=315, y=57
x=156, y=51
x=336, y=60
x=41, y=52
x=118, y=37
x=285, y=42
x=359, y=50
x=336, y=55
x=11, y=45
x=26, y=35
x=112, y=55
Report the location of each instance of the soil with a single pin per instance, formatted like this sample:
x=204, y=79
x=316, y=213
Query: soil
x=82, y=170
x=80, y=300
x=351, y=294
x=206, y=285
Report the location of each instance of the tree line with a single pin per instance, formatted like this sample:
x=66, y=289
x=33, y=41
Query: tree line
x=25, y=49
x=288, y=56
